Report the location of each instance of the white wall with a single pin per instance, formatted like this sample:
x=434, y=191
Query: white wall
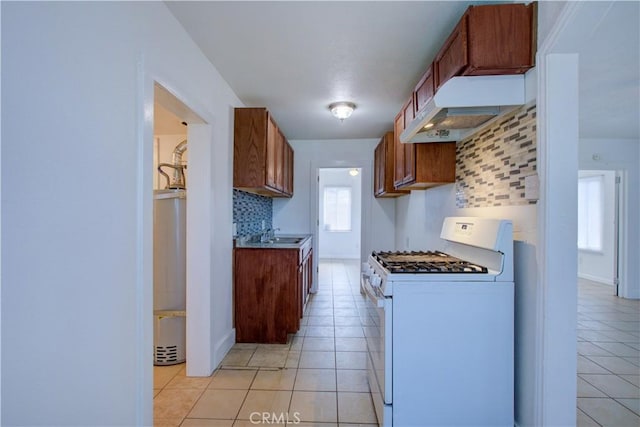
x=621, y=155
x=419, y=217
x=297, y=215
x=598, y=266
x=77, y=83
x=341, y=244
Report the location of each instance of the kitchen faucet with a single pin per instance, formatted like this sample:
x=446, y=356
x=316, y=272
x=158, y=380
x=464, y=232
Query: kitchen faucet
x=268, y=235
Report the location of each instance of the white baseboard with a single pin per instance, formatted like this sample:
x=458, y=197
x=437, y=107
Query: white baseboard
x=598, y=279
x=223, y=347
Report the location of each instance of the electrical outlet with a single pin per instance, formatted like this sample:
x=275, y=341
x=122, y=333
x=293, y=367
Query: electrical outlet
x=234, y=229
x=264, y=224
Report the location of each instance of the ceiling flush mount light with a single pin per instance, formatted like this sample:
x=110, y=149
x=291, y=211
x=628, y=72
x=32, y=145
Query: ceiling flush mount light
x=354, y=172
x=342, y=110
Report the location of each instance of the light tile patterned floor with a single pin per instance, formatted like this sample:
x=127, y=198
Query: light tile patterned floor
x=319, y=376
x=608, y=357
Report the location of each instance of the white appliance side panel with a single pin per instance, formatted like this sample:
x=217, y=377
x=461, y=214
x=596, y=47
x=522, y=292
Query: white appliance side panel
x=453, y=354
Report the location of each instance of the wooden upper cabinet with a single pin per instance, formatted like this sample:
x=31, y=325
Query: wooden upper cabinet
x=489, y=39
x=287, y=169
x=453, y=57
x=424, y=90
x=384, y=164
x=398, y=167
x=272, y=144
x=259, y=153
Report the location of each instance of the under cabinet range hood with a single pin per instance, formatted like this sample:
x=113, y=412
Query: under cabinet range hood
x=462, y=105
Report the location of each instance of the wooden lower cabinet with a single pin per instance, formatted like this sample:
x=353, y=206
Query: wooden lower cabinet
x=271, y=288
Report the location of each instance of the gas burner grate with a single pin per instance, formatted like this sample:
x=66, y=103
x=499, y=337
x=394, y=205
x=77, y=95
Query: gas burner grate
x=425, y=262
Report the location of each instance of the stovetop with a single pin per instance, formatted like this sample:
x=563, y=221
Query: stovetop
x=425, y=262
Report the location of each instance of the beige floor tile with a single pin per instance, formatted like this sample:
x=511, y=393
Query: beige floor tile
x=586, y=348
x=296, y=343
x=352, y=380
x=608, y=412
x=269, y=358
x=282, y=347
x=275, y=379
x=318, y=344
x=258, y=421
x=261, y=401
x=349, y=331
x=347, y=321
x=201, y=422
x=345, y=312
x=583, y=420
x=588, y=366
x=612, y=385
x=587, y=390
x=633, y=379
x=351, y=344
x=237, y=379
x=244, y=346
x=320, y=321
x=616, y=349
x=320, y=311
x=167, y=422
x=311, y=406
x=317, y=360
x=174, y=403
x=303, y=424
x=181, y=381
x=163, y=374
x=237, y=358
x=293, y=360
x=617, y=365
x=355, y=408
x=315, y=380
x=219, y=404
x=633, y=404
x=351, y=360
x=319, y=331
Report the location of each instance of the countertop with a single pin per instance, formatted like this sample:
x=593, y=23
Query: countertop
x=239, y=243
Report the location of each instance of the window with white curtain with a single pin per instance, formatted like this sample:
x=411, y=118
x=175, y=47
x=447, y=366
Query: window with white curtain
x=590, y=212
x=337, y=208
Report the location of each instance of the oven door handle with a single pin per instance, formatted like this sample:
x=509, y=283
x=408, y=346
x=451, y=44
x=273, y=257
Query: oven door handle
x=373, y=293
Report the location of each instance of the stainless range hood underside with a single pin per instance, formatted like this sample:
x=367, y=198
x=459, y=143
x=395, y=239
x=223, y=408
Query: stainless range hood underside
x=462, y=105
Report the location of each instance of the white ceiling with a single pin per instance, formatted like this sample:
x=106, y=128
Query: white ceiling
x=295, y=58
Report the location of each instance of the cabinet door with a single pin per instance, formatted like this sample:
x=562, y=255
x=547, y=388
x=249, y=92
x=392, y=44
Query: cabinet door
x=398, y=171
x=279, y=149
x=286, y=168
x=453, y=58
x=409, y=149
x=424, y=90
x=379, y=162
x=272, y=148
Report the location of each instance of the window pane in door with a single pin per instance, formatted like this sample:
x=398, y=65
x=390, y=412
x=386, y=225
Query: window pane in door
x=337, y=208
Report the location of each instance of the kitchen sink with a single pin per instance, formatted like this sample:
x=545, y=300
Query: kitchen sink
x=287, y=240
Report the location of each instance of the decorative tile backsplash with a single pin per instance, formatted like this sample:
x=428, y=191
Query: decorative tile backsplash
x=249, y=210
x=491, y=165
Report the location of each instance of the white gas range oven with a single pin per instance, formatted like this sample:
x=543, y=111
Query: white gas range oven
x=440, y=351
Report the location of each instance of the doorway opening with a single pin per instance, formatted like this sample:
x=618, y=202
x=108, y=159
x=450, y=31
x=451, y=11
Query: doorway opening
x=172, y=233
x=339, y=213
x=599, y=228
